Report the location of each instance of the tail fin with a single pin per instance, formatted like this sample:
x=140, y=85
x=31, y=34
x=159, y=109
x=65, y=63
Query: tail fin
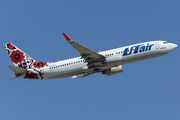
x=18, y=57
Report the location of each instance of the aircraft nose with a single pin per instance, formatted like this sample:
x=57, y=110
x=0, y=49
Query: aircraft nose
x=174, y=46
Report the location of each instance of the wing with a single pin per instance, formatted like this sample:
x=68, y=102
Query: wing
x=93, y=58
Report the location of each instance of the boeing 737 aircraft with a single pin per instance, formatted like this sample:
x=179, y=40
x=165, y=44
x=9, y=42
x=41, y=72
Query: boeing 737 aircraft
x=107, y=62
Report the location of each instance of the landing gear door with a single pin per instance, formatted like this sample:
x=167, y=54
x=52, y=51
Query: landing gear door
x=156, y=45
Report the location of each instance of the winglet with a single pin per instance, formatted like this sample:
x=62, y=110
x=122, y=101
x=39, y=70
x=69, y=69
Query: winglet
x=67, y=37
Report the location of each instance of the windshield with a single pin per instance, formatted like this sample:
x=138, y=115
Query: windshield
x=165, y=42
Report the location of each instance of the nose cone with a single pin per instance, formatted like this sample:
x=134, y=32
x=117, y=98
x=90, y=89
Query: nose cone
x=173, y=46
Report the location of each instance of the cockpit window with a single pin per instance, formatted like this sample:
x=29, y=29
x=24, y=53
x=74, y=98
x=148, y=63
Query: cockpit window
x=165, y=42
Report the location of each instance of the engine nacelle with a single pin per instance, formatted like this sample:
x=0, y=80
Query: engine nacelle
x=113, y=70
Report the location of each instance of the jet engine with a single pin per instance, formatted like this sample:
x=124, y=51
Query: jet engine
x=113, y=71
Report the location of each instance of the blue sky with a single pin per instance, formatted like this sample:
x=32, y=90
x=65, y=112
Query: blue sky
x=147, y=90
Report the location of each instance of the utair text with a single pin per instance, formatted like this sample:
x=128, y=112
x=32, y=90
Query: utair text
x=136, y=49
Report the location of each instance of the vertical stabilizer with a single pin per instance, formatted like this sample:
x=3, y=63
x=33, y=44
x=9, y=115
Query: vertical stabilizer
x=18, y=57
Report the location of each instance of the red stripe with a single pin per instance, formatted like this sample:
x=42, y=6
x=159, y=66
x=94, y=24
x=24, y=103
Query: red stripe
x=67, y=37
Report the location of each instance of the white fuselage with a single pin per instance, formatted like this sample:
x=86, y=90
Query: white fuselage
x=114, y=57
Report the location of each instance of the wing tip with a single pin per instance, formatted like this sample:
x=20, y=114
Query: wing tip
x=67, y=37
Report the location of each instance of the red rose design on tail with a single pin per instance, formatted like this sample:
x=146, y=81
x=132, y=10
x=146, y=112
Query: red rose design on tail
x=39, y=64
x=10, y=46
x=17, y=56
x=31, y=75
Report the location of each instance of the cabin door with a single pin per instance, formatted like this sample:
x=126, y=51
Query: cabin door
x=156, y=45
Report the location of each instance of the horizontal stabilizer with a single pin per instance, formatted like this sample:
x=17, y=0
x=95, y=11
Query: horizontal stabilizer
x=17, y=70
x=14, y=78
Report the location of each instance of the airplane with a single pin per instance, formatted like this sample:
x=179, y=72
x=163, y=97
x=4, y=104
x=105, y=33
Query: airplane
x=107, y=62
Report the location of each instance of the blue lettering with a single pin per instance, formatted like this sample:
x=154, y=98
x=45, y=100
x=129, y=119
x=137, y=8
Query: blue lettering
x=126, y=52
x=127, y=49
x=147, y=46
x=142, y=49
x=150, y=46
x=163, y=48
x=136, y=49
